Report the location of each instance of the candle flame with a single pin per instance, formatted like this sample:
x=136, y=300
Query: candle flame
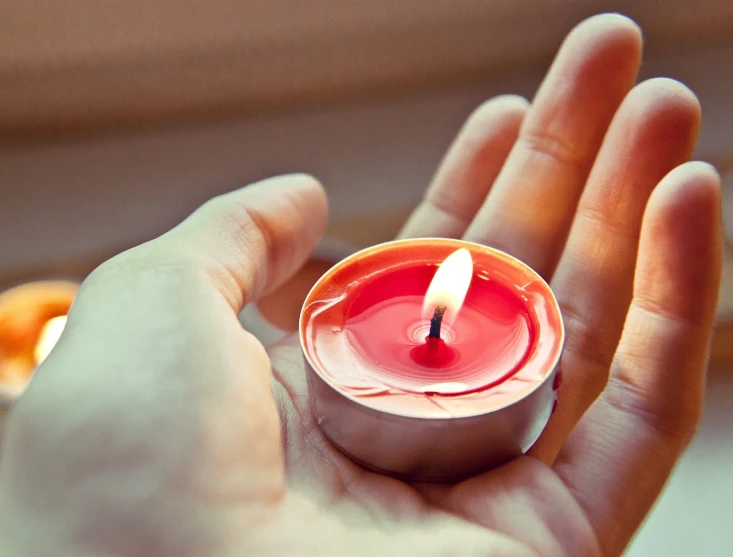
x=449, y=286
x=48, y=338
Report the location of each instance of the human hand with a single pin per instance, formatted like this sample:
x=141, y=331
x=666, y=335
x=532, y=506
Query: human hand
x=159, y=427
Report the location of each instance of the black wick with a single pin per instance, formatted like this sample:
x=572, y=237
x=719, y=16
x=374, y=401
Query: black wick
x=436, y=321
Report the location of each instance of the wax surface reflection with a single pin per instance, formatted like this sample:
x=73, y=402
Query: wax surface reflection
x=364, y=329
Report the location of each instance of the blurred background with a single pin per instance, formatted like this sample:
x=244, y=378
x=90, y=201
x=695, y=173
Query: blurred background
x=118, y=118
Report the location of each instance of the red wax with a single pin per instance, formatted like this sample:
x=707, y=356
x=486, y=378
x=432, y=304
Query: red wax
x=386, y=332
x=434, y=353
x=363, y=329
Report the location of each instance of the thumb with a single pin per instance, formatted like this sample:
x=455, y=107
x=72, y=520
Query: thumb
x=252, y=240
x=154, y=407
x=247, y=242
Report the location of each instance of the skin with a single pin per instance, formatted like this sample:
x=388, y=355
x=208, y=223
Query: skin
x=159, y=427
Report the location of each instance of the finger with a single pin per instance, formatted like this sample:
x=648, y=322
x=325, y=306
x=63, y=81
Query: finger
x=248, y=242
x=653, y=132
x=532, y=203
x=468, y=170
x=619, y=457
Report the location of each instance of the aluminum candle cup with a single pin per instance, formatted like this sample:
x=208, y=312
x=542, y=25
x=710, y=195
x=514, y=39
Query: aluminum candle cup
x=431, y=359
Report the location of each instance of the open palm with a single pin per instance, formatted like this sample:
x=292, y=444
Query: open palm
x=152, y=429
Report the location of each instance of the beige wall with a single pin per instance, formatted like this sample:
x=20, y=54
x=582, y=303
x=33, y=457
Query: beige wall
x=81, y=63
x=406, y=73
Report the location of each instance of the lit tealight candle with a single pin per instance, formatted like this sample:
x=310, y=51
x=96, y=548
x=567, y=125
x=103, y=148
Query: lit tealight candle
x=32, y=317
x=431, y=359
